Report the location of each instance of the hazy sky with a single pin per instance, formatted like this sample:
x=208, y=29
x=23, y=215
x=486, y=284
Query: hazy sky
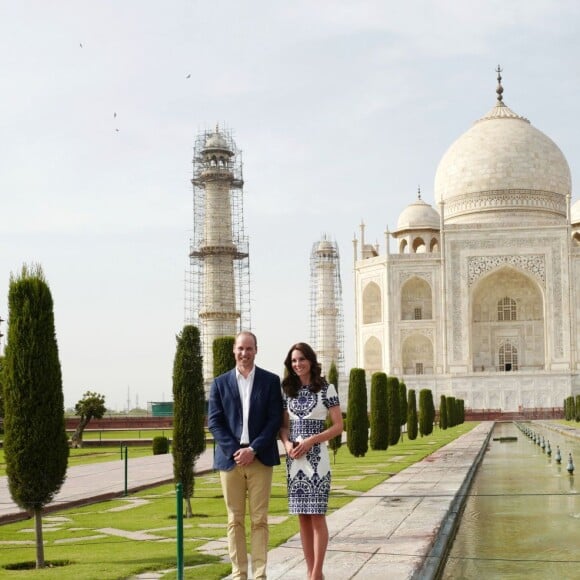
x=342, y=109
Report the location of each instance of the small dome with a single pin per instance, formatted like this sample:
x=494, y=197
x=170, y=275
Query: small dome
x=418, y=216
x=325, y=247
x=216, y=141
x=575, y=213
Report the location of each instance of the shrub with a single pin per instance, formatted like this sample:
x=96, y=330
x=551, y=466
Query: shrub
x=443, y=412
x=412, y=426
x=403, y=402
x=160, y=445
x=426, y=412
x=335, y=443
x=393, y=410
x=379, y=439
x=357, y=437
x=223, y=355
x=451, y=414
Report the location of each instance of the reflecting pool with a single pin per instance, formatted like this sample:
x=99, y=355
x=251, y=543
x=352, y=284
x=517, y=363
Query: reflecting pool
x=522, y=517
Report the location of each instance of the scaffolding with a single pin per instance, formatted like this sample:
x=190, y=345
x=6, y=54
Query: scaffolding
x=217, y=285
x=326, y=314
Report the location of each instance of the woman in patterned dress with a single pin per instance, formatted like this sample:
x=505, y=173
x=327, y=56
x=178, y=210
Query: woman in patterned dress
x=308, y=400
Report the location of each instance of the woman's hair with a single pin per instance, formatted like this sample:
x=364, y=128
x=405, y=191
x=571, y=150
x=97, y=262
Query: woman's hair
x=291, y=383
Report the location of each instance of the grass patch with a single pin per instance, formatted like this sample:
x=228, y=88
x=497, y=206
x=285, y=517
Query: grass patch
x=124, y=537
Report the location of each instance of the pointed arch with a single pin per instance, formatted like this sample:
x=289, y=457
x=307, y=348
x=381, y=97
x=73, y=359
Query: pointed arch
x=419, y=246
x=507, y=308
x=417, y=355
x=373, y=355
x=372, y=303
x=416, y=299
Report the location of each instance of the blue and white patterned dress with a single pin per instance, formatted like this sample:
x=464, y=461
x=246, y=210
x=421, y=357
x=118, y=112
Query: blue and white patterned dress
x=308, y=477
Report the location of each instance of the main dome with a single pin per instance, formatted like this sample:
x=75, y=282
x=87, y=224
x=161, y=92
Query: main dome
x=503, y=169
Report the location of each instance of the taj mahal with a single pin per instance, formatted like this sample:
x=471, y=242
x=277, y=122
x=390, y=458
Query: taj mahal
x=479, y=298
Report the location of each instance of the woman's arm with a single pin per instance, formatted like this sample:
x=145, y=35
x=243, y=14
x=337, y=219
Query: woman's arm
x=335, y=415
x=285, y=433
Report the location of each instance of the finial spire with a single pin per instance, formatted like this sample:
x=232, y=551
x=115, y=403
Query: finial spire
x=418, y=192
x=217, y=127
x=499, y=89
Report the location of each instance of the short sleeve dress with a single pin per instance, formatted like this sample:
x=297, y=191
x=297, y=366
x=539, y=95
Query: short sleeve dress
x=308, y=477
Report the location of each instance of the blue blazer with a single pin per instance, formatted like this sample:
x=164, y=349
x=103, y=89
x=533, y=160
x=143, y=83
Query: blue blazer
x=264, y=421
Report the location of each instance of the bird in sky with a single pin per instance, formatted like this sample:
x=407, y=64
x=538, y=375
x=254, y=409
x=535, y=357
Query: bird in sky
x=117, y=130
x=81, y=44
x=188, y=76
x=114, y=115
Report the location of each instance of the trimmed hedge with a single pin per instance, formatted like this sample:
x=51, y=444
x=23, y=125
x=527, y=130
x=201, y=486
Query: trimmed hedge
x=379, y=439
x=357, y=437
x=160, y=445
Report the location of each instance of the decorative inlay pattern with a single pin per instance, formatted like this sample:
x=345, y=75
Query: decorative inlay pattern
x=479, y=265
x=406, y=332
x=403, y=276
x=503, y=200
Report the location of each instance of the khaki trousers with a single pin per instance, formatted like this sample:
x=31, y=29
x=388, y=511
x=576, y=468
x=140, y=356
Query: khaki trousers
x=253, y=482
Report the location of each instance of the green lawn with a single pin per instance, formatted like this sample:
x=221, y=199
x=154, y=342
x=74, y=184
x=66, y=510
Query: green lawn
x=573, y=424
x=91, y=540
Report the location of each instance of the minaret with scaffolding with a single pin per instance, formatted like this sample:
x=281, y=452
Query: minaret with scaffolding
x=326, y=317
x=218, y=297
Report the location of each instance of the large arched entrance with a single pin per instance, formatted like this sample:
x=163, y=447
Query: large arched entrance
x=507, y=323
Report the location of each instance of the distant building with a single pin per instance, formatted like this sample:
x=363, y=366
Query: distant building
x=481, y=299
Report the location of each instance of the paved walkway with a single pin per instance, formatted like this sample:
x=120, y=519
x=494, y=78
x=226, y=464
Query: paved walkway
x=100, y=481
x=399, y=529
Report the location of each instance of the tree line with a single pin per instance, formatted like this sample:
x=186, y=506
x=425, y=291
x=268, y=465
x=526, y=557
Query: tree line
x=391, y=408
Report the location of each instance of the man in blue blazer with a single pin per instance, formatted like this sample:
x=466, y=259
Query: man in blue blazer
x=244, y=417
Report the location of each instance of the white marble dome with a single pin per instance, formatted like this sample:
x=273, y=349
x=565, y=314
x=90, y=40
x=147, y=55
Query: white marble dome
x=418, y=215
x=503, y=170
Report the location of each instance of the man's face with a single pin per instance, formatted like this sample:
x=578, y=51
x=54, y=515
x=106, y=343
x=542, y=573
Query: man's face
x=245, y=351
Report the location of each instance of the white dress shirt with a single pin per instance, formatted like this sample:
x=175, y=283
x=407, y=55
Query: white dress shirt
x=245, y=387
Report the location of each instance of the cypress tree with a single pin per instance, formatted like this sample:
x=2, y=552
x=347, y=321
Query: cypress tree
x=403, y=402
x=188, y=412
x=412, y=425
x=450, y=403
x=570, y=408
x=393, y=410
x=1, y=389
x=443, y=413
x=379, y=412
x=431, y=411
x=223, y=355
x=336, y=442
x=357, y=437
x=35, y=441
x=577, y=409
x=426, y=412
